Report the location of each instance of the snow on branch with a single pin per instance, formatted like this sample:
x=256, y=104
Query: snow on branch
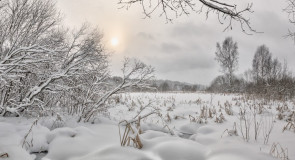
x=135, y=74
x=175, y=8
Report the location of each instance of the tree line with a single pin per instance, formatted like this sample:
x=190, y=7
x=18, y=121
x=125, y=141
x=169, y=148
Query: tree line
x=268, y=76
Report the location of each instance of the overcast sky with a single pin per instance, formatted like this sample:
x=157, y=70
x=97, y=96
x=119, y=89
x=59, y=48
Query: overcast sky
x=183, y=50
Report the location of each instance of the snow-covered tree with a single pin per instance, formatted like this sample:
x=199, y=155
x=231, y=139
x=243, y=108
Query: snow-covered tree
x=135, y=74
x=44, y=65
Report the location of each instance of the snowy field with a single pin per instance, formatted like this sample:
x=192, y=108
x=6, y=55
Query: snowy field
x=179, y=126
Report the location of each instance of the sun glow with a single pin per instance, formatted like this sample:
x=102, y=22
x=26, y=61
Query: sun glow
x=114, y=41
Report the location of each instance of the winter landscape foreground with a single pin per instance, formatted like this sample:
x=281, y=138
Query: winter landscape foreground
x=173, y=126
x=136, y=89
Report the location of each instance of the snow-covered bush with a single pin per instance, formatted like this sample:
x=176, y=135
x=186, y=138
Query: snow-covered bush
x=47, y=69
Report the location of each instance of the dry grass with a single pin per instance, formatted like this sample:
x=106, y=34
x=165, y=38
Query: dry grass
x=29, y=143
x=4, y=155
x=289, y=126
x=168, y=118
x=192, y=119
x=232, y=132
x=176, y=117
x=220, y=118
x=228, y=108
x=131, y=135
x=279, y=152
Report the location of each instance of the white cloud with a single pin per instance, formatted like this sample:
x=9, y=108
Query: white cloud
x=187, y=46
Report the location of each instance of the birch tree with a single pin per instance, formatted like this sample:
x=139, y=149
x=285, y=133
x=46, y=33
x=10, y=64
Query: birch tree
x=227, y=57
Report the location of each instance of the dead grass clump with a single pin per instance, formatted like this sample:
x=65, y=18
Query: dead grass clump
x=199, y=101
x=58, y=122
x=132, y=106
x=291, y=116
x=203, y=114
x=117, y=99
x=168, y=118
x=284, y=113
x=131, y=135
x=170, y=109
x=280, y=116
x=282, y=108
x=289, y=126
x=192, y=119
x=211, y=112
x=228, y=108
x=220, y=118
x=176, y=117
x=260, y=109
x=232, y=132
x=4, y=155
x=279, y=152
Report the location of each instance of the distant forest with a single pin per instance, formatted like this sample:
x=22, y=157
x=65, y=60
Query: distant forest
x=163, y=86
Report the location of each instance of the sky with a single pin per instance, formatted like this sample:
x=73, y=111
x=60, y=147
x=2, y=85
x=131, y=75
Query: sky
x=183, y=50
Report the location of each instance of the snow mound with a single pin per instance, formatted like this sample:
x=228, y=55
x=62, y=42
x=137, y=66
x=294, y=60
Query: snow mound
x=69, y=143
x=9, y=134
x=15, y=153
x=189, y=129
x=38, y=138
x=152, y=134
x=230, y=150
x=61, y=132
x=118, y=152
x=206, y=130
x=154, y=127
x=205, y=140
x=14, y=135
x=179, y=149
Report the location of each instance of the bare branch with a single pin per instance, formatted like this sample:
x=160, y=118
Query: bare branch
x=168, y=8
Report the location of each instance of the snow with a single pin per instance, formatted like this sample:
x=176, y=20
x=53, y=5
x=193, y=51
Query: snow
x=183, y=140
x=15, y=153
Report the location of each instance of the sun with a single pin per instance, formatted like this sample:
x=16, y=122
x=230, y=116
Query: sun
x=114, y=41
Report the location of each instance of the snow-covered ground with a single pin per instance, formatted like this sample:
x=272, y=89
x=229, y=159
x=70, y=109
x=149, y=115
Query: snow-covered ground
x=183, y=126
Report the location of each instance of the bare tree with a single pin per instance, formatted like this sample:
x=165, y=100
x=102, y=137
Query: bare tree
x=135, y=74
x=271, y=78
x=262, y=64
x=227, y=56
x=223, y=10
x=290, y=10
